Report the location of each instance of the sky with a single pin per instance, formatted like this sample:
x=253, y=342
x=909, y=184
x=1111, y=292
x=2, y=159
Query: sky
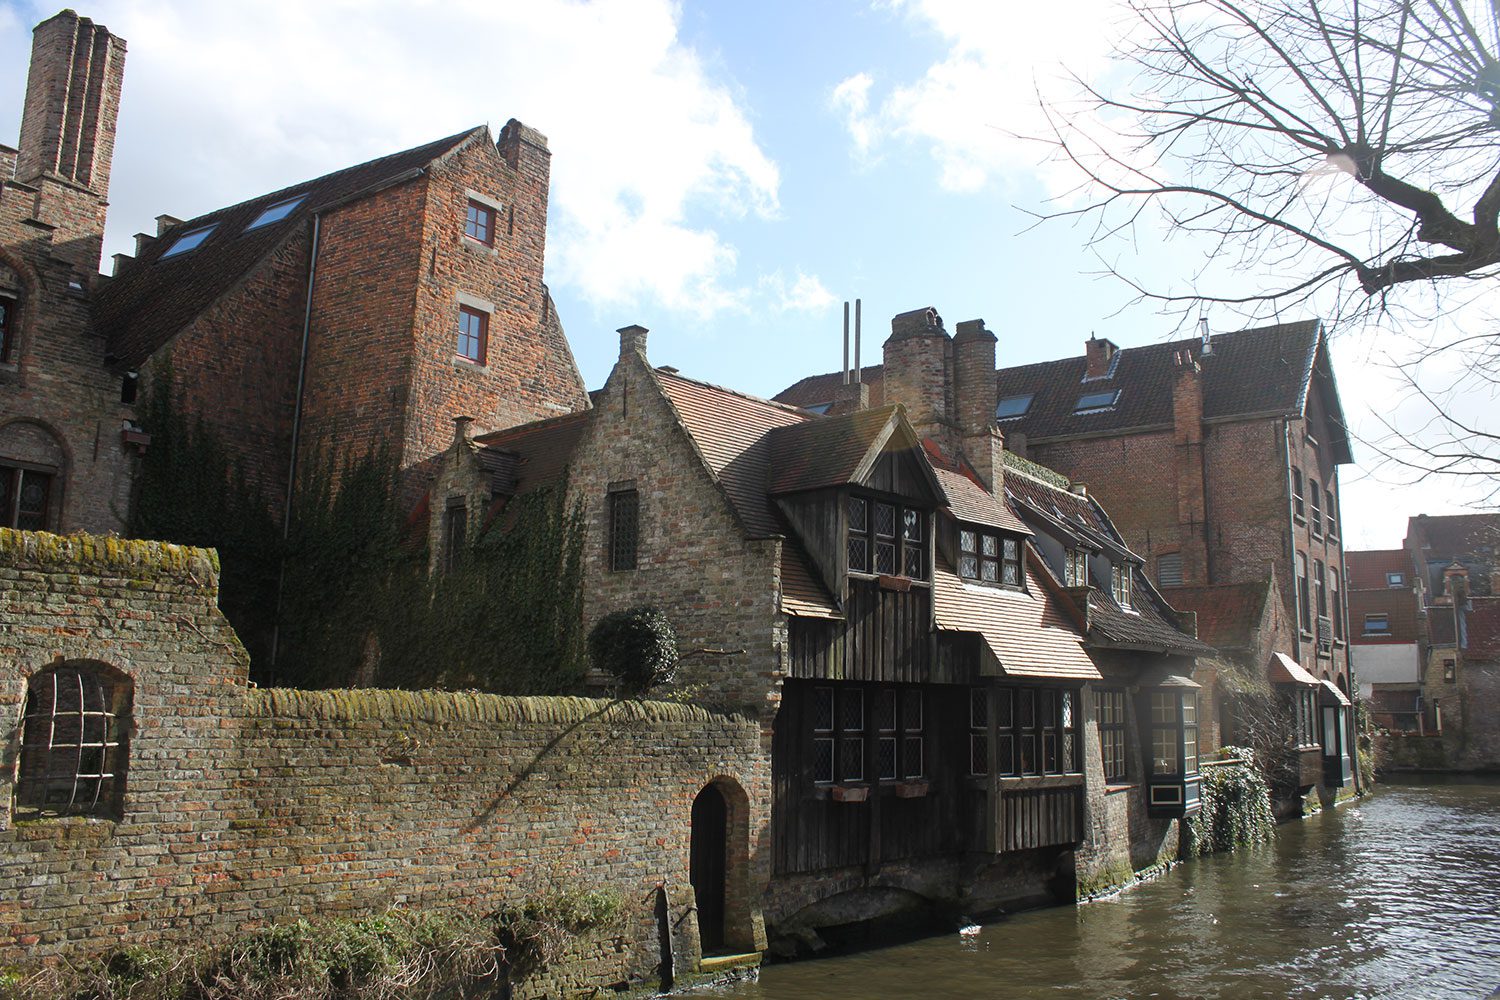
x=724, y=174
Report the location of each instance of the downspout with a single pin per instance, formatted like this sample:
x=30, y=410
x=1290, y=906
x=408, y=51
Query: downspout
x=291, y=472
x=1291, y=533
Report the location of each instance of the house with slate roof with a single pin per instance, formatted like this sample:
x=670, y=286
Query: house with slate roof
x=358, y=310
x=1217, y=458
x=925, y=644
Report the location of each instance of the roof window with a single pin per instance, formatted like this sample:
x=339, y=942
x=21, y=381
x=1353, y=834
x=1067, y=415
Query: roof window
x=1012, y=406
x=189, y=241
x=819, y=408
x=276, y=212
x=1093, y=402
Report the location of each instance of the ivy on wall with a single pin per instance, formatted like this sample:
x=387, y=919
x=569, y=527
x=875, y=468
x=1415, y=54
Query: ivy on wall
x=345, y=599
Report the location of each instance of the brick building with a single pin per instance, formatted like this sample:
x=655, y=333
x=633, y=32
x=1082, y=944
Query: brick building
x=66, y=445
x=1217, y=458
x=359, y=309
x=1385, y=635
x=930, y=659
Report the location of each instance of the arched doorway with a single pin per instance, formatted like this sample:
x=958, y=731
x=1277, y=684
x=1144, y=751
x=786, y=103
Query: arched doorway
x=708, y=865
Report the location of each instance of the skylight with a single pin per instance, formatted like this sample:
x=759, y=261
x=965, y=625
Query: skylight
x=1012, y=406
x=818, y=407
x=189, y=241
x=1091, y=402
x=276, y=212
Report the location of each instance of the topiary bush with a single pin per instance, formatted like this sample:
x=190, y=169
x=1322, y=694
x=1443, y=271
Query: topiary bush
x=637, y=647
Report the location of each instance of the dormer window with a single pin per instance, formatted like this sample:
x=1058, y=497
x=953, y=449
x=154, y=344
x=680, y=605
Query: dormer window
x=1119, y=579
x=1075, y=568
x=886, y=538
x=276, y=212
x=1097, y=402
x=189, y=241
x=989, y=558
x=1012, y=406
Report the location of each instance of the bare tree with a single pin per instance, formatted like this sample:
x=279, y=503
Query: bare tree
x=1328, y=144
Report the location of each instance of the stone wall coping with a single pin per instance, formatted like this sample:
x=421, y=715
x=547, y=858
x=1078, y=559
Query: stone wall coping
x=356, y=704
x=42, y=549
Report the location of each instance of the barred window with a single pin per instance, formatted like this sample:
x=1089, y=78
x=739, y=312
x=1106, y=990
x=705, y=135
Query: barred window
x=74, y=735
x=624, y=528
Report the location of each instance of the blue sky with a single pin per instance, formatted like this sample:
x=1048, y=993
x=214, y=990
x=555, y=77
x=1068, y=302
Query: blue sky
x=725, y=174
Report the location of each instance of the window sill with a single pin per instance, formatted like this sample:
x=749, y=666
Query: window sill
x=464, y=364
x=889, y=581
x=1299, y=519
x=1114, y=788
x=479, y=247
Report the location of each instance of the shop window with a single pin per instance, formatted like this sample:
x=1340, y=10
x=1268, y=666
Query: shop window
x=75, y=728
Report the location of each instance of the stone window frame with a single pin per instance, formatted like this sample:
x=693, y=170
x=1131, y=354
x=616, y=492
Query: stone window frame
x=484, y=310
x=74, y=739
x=622, y=541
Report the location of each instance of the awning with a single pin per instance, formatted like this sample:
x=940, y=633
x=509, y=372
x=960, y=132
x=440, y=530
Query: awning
x=1332, y=695
x=1285, y=670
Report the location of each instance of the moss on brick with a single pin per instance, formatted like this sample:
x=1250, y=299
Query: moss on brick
x=153, y=559
x=353, y=705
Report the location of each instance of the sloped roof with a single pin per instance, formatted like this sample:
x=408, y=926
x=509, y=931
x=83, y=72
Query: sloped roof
x=1028, y=634
x=732, y=432
x=152, y=299
x=1285, y=670
x=1453, y=535
x=1368, y=569
x=1262, y=370
x=801, y=594
x=828, y=451
x=1227, y=612
x=1484, y=628
x=973, y=503
x=531, y=455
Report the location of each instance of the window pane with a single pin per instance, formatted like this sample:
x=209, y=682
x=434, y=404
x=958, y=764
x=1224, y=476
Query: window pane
x=823, y=709
x=851, y=759
x=968, y=567
x=979, y=753
x=859, y=554
x=885, y=557
x=1004, y=705
x=915, y=566
x=1012, y=574
x=911, y=711
x=1028, y=708
x=859, y=512
x=913, y=765
x=1028, y=755
x=885, y=711
x=1163, y=708
x=967, y=540
x=991, y=545
x=1049, y=753
x=887, y=755
x=989, y=571
x=979, y=708
x=1005, y=754
x=1190, y=750
x=1164, y=751
x=823, y=760
x=1048, y=711
x=911, y=525
x=885, y=520
x=852, y=710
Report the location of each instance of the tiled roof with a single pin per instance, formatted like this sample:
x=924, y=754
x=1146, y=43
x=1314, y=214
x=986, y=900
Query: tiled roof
x=1453, y=535
x=821, y=452
x=1285, y=670
x=732, y=431
x=801, y=594
x=1227, y=612
x=522, y=458
x=1484, y=628
x=1063, y=504
x=973, y=503
x=1266, y=369
x=152, y=299
x=1026, y=631
x=1367, y=569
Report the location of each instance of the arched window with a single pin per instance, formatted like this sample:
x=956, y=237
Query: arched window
x=74, y=742
x=32, y=466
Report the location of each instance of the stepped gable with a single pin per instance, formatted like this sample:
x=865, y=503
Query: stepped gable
x=151, y=299
x=731, y=431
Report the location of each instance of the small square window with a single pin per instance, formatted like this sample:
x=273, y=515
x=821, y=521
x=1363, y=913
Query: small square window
x=479, y=222
x=188, y=241
x=473, y=334
x=1377, y=624
x=1395, y=579
x=276, y=212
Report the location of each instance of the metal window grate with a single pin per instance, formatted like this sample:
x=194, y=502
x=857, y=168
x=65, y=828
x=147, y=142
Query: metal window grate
x=73, y=744
x=624, y=511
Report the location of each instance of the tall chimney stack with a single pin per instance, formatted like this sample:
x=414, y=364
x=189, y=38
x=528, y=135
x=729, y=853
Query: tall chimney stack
x=72, y=103
x=918, y=356
x=975, y=395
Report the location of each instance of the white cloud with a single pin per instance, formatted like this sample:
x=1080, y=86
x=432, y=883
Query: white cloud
x=805, y=293
x=971, y=106
x=651, y=153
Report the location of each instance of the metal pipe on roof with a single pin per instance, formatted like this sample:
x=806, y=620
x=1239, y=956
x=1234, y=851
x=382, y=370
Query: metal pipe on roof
x=846, y=342
x=859, y=375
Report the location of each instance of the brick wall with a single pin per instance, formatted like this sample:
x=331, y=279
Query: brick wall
x=244, y=805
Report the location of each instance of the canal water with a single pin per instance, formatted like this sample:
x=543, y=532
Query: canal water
x=1396, y=895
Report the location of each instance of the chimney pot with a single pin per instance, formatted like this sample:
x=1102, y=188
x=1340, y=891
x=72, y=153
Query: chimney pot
x=462, y=427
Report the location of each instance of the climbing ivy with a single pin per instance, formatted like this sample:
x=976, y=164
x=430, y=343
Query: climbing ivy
x=345, y=598
x=1236, y=807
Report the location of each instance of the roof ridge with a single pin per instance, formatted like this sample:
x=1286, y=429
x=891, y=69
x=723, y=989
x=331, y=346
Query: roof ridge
x=783, y=407
x=449, y=141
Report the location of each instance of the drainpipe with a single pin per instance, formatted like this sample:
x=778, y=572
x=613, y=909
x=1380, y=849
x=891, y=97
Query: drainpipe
x=1291, y=533
x=291, y=472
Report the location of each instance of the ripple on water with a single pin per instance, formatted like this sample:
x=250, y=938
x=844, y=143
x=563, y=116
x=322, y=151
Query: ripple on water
x=1397, y=897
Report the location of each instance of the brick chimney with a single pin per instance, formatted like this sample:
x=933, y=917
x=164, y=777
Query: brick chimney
x=918, y=358
x=72, y=102
x=975, y=397
x=1187, y=439
x=68, y=130
x=1456, y=582
x=524, y=149
x=632, y=341
x=1100, y=355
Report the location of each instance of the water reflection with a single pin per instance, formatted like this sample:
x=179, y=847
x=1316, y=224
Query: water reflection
x=1395, y=896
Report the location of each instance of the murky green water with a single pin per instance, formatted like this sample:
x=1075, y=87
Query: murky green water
x=1394, y=896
